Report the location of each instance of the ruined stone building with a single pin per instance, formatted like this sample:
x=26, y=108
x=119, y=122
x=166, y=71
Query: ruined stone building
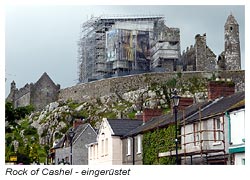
x=126, y=45
x=39, y=94
x=198, y=57
x=118, y=46
x=123, y=45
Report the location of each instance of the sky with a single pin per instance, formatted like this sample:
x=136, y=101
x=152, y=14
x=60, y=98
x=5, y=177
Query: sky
x=43, y=38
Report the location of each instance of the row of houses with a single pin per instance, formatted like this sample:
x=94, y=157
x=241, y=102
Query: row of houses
x=209, y=132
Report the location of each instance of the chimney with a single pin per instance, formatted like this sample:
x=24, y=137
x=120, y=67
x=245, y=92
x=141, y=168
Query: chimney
x=185, y=102
x=150, y=113
x=220, y=88
x=77, y=122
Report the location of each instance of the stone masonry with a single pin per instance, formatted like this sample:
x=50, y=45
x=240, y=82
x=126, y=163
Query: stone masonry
x=121, y=85
x=39, y=94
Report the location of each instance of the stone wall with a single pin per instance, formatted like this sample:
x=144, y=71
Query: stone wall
x=199, y=57
x=22, y=96
x=120, y=85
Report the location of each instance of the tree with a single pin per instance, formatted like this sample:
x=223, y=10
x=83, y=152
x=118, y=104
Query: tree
x=12, y=114
x=9, y=113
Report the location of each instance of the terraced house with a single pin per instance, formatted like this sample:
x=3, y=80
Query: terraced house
x=207, y=132
x=107, y=149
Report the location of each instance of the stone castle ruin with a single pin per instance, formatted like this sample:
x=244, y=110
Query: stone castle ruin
x=39, y=94
x=199, y=57
x=119, y=46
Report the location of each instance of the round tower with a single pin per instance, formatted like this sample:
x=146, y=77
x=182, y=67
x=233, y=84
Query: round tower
x=13, y=86
x=232, y=44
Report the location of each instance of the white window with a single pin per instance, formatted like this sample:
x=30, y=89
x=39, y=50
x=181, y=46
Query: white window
x=106, y=146
x=103, y=147
x=96, y=146
x=217, y=130
x=129, y=146
x=139, y=144
x=196, y=129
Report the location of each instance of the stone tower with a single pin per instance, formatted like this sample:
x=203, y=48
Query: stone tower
x=232, y=44
x=13, y=90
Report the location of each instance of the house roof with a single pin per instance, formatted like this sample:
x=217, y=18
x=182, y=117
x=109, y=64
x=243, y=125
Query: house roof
x=165, y=120
x=219, y=106
x=60, y=143
x=121, y=127
x=46, y=77
x=78, y=131
x=191, y=113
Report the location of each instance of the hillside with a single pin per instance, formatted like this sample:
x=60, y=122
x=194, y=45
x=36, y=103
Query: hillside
x=32, y=135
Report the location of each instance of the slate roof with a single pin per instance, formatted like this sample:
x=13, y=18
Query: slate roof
x=121, y=127
x=60, y=143
x=191, y=113
x=164, y=120
x=219, y=106
x=78, y=131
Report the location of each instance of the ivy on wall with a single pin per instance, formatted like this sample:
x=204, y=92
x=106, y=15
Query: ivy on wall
x=155, y=142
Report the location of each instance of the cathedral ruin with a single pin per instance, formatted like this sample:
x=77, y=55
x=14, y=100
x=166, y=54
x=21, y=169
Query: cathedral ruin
x=125, y=45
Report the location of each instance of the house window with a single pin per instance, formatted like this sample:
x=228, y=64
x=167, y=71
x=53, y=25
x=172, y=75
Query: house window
x=129, y=146
x=196, y=129
x=103, y=147
x=106, y=146
x=139, y=143
x=243, y=161
x=96, y=151
x=217, y=130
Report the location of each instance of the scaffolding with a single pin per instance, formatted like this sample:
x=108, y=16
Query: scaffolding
x=93, y=63
x=200, y=142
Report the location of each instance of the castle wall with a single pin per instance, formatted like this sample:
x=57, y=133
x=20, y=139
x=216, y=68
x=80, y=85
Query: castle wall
x=199, y=57
x=200, y=51
x=188, y=59
x=124, y=84
x=24, y=100
x=22, y=96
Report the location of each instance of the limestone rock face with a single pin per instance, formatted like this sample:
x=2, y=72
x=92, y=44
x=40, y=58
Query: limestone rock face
x=58, y=116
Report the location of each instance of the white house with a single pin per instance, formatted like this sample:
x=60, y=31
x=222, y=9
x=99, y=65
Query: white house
x=236, y=137
x=107, y=150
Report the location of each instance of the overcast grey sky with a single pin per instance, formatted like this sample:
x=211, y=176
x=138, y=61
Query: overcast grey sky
x=44, y=38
